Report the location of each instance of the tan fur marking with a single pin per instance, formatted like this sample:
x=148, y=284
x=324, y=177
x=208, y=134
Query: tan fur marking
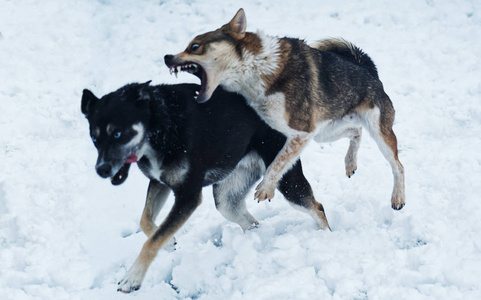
x=252, y=43
x=391, y=141
x=156, y=196
x=293, y=150
x=146, y=223
x=317, y=212
x=301, y=118
x=364, y=106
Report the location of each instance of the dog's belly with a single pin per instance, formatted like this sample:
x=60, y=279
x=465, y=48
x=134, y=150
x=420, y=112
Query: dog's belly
x=215, y=175
x=333, y=130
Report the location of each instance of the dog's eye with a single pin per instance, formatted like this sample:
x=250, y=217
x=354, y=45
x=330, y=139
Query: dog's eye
x=94, y=139
x=117, y=134
x=194, y=47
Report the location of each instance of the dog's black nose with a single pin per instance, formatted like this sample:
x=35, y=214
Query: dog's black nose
x=104, y=170
x=168, y=59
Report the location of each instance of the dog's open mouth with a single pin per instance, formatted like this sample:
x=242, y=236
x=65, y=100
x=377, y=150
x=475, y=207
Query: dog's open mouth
x=121, y=175
x=123, y=172
x=196, y=70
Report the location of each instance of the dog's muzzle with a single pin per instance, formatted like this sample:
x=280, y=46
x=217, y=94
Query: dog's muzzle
x=104, y=170
x=169, y=60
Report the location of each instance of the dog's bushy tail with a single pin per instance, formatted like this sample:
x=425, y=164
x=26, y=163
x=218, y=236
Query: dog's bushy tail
x=347, y=50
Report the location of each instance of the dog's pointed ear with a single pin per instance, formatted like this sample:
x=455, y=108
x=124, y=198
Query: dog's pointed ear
x=143, y=94
x=88, y=101
x=237, y=26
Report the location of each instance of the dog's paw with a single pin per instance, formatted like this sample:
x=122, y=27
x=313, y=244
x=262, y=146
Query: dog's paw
x=397, y=201
x=170, y=245
x=350, y=171
x=351, y=166
x=397, y=205
x=264, y=191
x=131, y=281
x=126, y=287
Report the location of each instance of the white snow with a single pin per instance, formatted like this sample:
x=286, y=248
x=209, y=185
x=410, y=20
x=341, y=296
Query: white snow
x=67, y=234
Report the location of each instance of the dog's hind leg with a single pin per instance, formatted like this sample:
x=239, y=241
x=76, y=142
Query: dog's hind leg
x=157, y=194
x=347, y=127
x=355, y=135
x=230, y=193
x=378, y=121
x=297, y=190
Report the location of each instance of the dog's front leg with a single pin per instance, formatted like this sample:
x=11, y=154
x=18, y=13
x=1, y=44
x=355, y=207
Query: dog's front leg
x=284, y=160
x=186, y=201
x=157, y=194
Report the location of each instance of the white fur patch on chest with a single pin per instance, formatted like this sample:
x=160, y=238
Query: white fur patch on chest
x=171, y=175
x=155, y=169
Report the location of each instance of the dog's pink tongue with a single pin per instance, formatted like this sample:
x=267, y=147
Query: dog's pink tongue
x=132, y=159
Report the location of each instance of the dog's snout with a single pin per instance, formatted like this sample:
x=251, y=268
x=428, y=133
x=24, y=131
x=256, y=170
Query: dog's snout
x=104, y=170
x=168, y=59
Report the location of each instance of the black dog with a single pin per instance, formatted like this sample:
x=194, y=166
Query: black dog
x=183, y=146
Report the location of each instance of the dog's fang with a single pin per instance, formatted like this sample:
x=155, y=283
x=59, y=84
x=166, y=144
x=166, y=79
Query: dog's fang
x=179, y=68
x=197, y=93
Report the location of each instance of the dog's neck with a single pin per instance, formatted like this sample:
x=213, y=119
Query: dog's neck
x=258, y=67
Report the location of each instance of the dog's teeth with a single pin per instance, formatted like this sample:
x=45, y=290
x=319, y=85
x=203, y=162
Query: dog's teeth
x=179, y=68
x=195, y=97
x=197, y=93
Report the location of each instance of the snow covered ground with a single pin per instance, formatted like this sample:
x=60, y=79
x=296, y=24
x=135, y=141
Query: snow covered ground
x=67, y=234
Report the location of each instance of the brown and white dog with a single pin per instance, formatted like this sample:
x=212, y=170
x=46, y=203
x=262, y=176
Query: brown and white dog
x=323, y=92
